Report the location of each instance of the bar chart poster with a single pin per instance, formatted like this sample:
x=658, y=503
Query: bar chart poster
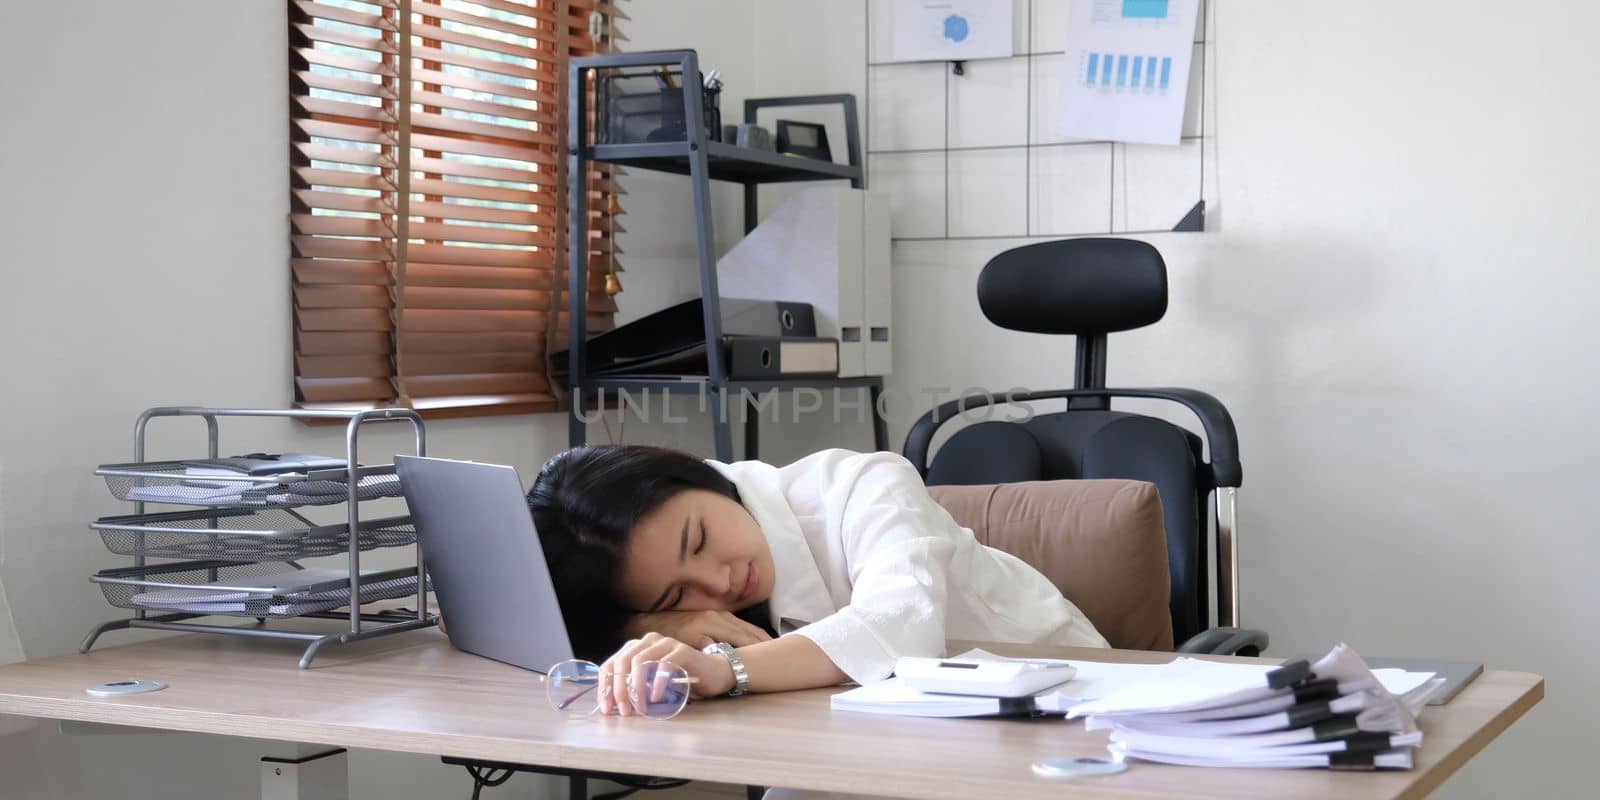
x=1127, y=69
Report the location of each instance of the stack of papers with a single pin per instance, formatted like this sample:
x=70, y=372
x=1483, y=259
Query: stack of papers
x=1333, y=713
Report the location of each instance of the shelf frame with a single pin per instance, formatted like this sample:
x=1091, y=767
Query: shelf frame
x=703, y=160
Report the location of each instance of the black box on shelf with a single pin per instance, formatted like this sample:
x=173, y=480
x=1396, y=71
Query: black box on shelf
x=638, y=107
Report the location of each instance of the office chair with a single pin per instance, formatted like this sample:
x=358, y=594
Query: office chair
x=1088, y=288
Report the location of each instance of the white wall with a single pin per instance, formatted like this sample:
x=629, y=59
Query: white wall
x=143, y=214
x=1397, y=309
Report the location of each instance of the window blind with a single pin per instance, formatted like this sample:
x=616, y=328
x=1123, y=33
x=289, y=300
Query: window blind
x=427, y=176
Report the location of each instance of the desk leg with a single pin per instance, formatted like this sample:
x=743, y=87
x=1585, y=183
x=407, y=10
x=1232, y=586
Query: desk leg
x=754, y=792
x=313, y=772
x=577, y=788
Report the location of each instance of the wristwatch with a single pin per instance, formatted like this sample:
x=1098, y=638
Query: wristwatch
x=741, y=679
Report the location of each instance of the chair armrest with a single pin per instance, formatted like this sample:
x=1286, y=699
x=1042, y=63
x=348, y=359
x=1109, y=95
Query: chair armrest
x=1227, y=642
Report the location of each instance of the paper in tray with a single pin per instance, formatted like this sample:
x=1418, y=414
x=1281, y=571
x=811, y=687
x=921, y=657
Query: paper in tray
x=271, y=600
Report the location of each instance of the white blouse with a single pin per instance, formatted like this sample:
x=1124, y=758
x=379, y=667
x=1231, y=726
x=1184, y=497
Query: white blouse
x=871, y=568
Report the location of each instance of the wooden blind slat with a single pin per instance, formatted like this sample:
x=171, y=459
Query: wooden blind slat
x=478, y=235
x=328, y=247
x=319, y=343
x=504, y=26
x=462, y=211
x=483, y=256
x=476, y=191
x=479, y=363
x=372, y=181
x=431, y=320
x=476, y=299
x=334, y=83
x=491, y=383
x=483, y=107
x=469, y=147
x=343, y=109
x=365, y=134
x=536, y=11
x=339, y=226
x=324, y=390
x=464, y=39
x=484, y=405
x=443, y=275
x=344, y=155
x=327, y=270
x=441, y=166
x=481, y=64
x=345, y=61
x=319, y=33
x=429, y=122
x=340, y=201
x=472, y=277
x=473, y=342
x=323, y=11
x=343, y=319
x=470, y=83
x=312, y=296
x=369, y=366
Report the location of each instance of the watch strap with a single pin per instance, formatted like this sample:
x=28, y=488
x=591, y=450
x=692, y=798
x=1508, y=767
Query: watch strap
x=741, y=678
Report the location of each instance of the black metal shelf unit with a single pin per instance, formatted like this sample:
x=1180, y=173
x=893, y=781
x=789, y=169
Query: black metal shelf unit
x=703, y=160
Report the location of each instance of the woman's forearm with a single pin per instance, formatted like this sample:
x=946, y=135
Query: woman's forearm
x=788, y=663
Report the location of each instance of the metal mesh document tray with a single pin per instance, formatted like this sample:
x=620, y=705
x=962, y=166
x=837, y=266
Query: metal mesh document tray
x=223, y=588
x=635, y=107
x=172, y=482
x=238, y=534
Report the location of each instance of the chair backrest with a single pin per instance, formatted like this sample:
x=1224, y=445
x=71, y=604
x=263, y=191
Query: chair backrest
x=1100, y=542
x=1099, y=444
x=1089, y=288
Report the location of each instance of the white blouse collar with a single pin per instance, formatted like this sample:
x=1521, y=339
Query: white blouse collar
x=799, y=595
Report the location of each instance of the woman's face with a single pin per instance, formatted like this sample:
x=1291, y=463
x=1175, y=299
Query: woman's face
x=699, y=551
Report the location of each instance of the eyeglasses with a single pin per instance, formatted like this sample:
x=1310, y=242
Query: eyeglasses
x=658, y=689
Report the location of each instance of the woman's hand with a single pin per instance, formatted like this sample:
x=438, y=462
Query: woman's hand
x=698, y=628
x=714, y=673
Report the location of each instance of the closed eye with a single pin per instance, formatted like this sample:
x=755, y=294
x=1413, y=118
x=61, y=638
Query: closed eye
x=702, y=544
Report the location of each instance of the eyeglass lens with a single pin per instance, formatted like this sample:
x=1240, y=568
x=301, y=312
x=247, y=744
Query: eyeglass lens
x=657, y=690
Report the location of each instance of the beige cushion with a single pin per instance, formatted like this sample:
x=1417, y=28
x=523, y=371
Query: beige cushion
x=1101, y=542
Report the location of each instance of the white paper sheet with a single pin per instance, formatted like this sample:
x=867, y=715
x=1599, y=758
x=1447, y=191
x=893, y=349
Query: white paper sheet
x=951, y=30
x=1126, y=72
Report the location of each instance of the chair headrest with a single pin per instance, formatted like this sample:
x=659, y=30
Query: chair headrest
x=1075, y=286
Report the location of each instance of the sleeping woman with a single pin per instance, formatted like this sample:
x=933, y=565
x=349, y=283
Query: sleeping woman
x=756, y=578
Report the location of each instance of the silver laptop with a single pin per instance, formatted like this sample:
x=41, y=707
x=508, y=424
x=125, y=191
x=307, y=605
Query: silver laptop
x=484, y=561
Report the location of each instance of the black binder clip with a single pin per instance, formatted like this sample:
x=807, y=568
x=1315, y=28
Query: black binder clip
x=1290, y=674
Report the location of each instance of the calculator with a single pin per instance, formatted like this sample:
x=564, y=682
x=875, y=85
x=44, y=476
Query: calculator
x=983, y=677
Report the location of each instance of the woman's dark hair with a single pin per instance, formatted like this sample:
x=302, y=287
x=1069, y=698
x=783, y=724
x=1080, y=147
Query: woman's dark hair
x=584, y=504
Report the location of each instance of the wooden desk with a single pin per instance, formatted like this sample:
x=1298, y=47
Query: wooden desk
x=414, y=693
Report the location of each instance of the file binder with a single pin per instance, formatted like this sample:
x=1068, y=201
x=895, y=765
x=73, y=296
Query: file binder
x=782, y=356
x=676, y=334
